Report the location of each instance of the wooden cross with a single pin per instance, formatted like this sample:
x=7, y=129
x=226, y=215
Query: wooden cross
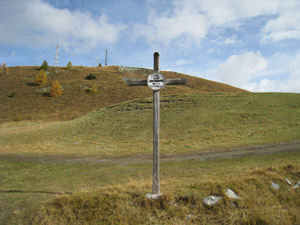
x=156, y=81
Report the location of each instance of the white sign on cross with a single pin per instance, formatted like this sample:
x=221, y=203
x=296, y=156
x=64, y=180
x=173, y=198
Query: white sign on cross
x=156, y=81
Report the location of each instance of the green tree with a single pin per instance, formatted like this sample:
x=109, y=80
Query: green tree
x=41, y=78
x=44, y=66
x=56, y=89
x=99, y=65
x=69, y=65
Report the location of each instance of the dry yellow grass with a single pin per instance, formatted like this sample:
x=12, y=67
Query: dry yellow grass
x=29, y=102
x=182, y=202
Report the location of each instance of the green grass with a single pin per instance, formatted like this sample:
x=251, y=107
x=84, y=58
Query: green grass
x=188, y=124
x=115, y=194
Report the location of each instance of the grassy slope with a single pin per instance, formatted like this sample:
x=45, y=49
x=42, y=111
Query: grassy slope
x=188, y=123
x=114, y=194
x=29, y=102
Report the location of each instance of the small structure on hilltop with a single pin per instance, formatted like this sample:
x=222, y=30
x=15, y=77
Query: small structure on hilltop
x=106, y=52
x=56, y=55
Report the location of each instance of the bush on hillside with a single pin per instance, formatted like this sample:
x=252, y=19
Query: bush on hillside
x=94, y=89
x=91, y=76
x=56, y=89
x=13, y=94
x=44, y=66
x=99, y=65
x=41, y=78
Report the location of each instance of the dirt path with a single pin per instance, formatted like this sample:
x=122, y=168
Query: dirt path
x=212, y=154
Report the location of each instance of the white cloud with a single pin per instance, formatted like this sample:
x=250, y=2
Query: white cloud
x=240, y=69
x=291, y=84
x=229, y=41
x=185, y=23
x=189, y=21
x=181, y=62
x=36, y=23
x=265, y=85
x=284, y=27
x=281, y=75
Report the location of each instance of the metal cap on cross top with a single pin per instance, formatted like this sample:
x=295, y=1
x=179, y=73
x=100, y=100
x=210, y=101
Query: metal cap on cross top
x=156, y=81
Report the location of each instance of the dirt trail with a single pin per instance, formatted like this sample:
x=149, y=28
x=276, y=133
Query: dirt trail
x=211, y=154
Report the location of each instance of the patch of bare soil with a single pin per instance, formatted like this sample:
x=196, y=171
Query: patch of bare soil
x=211, y=154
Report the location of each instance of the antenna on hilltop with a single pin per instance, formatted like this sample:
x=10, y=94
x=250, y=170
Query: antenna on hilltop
x=56, y=55
x=106, y=57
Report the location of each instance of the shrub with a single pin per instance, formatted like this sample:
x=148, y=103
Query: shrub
x=69, y=65
x=18, y=118
x=56, y=89
x=99, y=65
x=5, y=69
x=91, y=76
x=13, y=94
x=44, y=66
x=94, y=89
x=41, y=78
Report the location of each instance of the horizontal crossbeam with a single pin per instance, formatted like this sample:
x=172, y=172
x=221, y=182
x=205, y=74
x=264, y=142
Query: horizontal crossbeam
x=177, y=81
x=136, y=82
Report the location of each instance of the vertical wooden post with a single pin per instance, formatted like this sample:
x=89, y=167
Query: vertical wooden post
x=156, y=82
x=156, y=116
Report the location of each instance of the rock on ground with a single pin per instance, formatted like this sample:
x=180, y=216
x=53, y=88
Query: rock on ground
x=211, y=200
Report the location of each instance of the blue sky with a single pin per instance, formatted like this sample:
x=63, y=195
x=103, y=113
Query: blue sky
x=249, y=44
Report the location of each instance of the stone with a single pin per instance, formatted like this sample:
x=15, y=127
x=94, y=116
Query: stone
x=231, y=194
x=275, y=186
x=296, y=186
x=288, y=181
x=190, y=216
x=211, y=200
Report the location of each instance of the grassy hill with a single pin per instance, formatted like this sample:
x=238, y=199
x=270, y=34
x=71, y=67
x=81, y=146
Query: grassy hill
x=117, y=122
x=22, y=100
x=189, y=123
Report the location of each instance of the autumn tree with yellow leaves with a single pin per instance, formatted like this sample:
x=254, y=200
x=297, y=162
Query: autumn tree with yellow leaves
x=56, y=89
x=41, y=78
